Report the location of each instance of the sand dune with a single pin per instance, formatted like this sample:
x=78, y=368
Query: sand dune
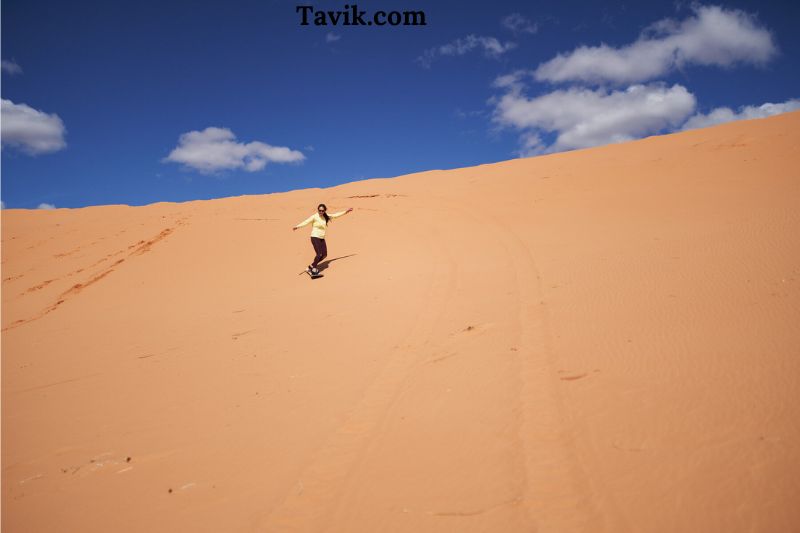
x=604, y=340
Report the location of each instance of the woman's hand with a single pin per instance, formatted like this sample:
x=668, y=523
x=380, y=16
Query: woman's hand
x=348, y=210
x=294, y=228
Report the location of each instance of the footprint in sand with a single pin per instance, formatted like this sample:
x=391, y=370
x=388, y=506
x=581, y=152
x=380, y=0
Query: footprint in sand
x=573, y=376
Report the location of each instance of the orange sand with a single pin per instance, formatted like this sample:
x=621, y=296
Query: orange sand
x=605, y=340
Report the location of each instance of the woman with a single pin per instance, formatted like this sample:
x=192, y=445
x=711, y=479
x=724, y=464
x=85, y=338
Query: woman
x=319, y=222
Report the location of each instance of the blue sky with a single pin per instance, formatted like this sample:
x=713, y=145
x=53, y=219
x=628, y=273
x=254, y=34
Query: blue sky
x=133, y=103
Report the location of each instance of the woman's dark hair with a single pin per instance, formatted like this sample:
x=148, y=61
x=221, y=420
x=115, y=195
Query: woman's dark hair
x=325, y=214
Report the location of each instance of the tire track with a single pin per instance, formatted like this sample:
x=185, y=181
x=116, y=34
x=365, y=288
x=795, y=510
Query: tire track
x=325, y=482
x=350, y=514
x=559, y=494
x=519, y=349
x=554, y=485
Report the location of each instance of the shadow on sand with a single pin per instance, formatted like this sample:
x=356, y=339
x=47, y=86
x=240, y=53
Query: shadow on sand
x=323, y=265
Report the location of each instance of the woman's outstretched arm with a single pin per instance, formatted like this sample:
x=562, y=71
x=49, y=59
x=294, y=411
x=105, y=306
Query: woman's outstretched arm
x=306, y=222
x=340, y=213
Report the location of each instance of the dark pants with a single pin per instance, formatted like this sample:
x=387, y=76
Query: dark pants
x=321, y=248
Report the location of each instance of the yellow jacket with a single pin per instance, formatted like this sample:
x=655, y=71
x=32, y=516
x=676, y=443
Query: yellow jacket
x=318, y=224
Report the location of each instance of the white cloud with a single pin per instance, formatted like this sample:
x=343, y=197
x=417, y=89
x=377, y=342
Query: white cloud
x=713, y=36
x=490, y=45
x=215, y=149
x=581, y=117
x=460, y=113
x=46, y=206
x=519, y=24
x=32, y=131
x=10, y=67
x=511, y=81
x=331, y=37
x=726, y=114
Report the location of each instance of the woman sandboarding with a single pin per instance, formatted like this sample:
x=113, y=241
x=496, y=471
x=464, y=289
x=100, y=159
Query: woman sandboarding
x=319, y=223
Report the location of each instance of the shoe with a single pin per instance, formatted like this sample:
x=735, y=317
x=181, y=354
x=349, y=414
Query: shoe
x=310, y=269
x=315, y=271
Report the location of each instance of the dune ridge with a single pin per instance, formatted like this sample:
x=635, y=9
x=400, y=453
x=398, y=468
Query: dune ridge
x=602, y=340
